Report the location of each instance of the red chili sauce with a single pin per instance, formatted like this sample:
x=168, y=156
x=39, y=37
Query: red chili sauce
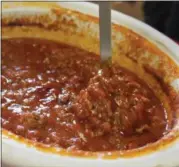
x=62, y=96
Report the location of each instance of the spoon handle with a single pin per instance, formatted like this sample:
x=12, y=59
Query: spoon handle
x=105, y=30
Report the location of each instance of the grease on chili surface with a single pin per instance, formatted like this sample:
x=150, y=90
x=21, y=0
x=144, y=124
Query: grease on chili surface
x=62, y=96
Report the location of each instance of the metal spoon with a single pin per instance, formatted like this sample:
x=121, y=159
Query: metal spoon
x=105, y=30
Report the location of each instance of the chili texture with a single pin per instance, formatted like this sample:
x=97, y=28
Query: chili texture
x=62, y=96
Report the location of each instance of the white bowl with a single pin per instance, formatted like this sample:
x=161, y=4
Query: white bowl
x=19, y=153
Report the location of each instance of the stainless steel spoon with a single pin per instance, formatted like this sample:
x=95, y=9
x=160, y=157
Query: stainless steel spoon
x=105, y=30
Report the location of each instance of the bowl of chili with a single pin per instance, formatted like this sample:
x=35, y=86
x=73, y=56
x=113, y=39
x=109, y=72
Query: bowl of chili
x=62, y=107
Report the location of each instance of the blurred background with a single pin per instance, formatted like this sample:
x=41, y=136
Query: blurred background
x=134, y=10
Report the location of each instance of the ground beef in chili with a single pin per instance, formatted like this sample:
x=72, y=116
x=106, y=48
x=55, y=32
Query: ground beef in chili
x=62, y=96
